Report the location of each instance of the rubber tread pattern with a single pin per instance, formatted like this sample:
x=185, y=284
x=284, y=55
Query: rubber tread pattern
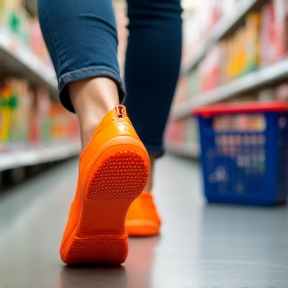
x=120, y=178
x=116, y=178
x=108, y=249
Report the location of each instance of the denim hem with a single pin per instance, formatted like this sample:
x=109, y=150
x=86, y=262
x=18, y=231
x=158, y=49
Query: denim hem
x=155, y=151
x=88, y=72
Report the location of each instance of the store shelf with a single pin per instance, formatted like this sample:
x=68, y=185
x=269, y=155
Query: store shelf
x=222, y=27
x=16, y=59
x=246, y=83
x=183, y=149
x=37, y=155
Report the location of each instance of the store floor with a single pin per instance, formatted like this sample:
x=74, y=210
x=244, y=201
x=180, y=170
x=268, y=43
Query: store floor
x=209, y=246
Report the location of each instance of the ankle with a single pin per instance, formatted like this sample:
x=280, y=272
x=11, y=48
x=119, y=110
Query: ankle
x=87, y=132
x=92, y=99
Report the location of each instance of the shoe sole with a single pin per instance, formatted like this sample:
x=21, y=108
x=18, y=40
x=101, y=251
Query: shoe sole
x=113, y=180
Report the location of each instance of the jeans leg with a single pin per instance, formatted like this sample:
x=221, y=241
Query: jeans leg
x=82, y=40
x=152, y=66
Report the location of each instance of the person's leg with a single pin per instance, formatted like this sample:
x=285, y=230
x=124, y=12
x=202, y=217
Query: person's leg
x=92, y=99
x=113, y=166
x=151, y=73
x=82, y=41
x=152, y=68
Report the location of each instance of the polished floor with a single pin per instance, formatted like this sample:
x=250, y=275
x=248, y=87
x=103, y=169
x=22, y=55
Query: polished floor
x=201, y=246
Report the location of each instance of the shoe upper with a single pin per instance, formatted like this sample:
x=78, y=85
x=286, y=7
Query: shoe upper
x=143, y=210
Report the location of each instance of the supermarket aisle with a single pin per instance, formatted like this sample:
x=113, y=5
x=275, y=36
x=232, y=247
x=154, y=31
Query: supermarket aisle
x=200, y=246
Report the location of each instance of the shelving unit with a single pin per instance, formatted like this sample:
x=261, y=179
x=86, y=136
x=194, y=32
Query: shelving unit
x=37, y=155
x=224, y=30
x=246, y=83
x=17, y=59
x=220, y=30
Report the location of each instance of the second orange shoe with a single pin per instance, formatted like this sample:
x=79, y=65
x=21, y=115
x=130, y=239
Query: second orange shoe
x=142, y=218
x=113, y=171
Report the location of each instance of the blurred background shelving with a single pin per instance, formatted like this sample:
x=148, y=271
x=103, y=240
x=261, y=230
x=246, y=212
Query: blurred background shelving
x=222, y=25
x=34, y=128
x=233, y=52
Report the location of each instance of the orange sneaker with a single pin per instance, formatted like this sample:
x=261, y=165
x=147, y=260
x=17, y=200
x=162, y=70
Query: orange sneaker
x=113, y=170
x=142, y=218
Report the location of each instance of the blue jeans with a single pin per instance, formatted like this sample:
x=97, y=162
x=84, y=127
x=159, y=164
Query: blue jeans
x=82, y=41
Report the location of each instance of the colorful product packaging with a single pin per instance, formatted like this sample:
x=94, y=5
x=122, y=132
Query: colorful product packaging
x=281, y=28
x=7, y=105
x=252, y=39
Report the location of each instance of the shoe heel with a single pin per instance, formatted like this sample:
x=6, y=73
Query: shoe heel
x=121, y=176
x=110, y=249
x=113, y=183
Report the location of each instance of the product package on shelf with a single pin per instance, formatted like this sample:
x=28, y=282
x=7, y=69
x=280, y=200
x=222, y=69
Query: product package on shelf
x=198, y=26
x=64, y=125
x=252, y=43
x=281, y=21
x=274, y=29
x=19, y=129
x=260, y=41
x=240, y=52
x=210, y=71
x=7, y=105
x=36, y=41
x=183, y=134
x=176, y=131
x=40, y=126
x=25, y=28
x=30, y=117
x=14, y=16
x=181, y=90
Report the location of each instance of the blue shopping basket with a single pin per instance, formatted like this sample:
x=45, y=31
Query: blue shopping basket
x=244, y=152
